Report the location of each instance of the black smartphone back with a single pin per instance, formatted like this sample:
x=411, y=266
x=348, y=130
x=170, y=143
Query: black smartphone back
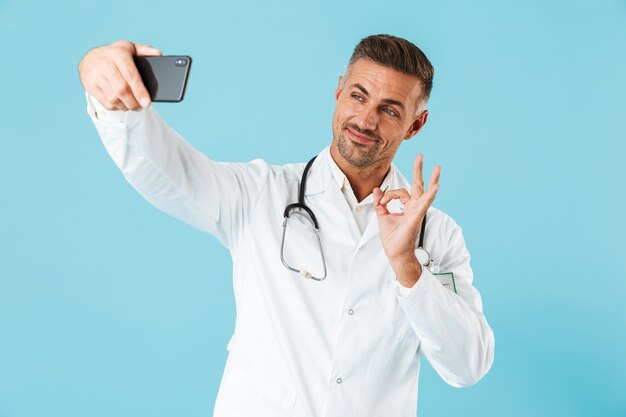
x=165, y=77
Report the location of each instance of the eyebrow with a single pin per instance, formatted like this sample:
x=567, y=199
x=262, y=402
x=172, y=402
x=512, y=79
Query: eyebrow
x=386, y=100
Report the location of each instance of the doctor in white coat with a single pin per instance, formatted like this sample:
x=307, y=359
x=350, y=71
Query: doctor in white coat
x=350, y=344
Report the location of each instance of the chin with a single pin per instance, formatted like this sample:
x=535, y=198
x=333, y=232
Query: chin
x=357, y=155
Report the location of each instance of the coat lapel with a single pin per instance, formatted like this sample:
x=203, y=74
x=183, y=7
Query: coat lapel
x=321, y=181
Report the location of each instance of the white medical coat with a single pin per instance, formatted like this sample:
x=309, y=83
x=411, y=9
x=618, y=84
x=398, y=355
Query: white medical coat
x=347, y=346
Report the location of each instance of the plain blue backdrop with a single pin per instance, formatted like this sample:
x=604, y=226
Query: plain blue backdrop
x=110, y=308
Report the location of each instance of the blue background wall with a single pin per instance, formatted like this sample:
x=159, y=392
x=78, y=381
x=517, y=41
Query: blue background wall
x=109, y=307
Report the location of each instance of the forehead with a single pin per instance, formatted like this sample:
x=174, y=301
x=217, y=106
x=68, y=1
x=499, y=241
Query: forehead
x=385, y=82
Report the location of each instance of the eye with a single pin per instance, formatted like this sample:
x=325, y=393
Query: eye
x=390, y=112
x=357, y=97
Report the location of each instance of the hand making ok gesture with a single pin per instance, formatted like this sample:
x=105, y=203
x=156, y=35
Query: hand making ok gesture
x=399, y=231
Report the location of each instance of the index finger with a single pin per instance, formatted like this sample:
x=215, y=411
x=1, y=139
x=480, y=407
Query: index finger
x=417, y=188
x=129, y=71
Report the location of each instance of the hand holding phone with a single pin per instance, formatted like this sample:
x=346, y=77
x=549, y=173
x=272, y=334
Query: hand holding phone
x=110, y=75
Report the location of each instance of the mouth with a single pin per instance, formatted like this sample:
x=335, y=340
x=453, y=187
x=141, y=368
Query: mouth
x=357, y=137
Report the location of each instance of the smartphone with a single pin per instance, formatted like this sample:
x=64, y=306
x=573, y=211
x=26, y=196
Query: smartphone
x=165, y=77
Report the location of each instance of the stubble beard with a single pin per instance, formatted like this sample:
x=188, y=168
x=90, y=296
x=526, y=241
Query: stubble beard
x=358, y=155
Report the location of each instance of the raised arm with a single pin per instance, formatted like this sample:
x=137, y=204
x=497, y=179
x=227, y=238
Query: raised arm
x=165, y=169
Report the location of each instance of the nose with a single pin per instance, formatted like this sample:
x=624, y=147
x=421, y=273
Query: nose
x=367, y=119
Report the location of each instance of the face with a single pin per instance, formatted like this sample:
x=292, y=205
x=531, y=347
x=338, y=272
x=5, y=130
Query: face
x=375, y=111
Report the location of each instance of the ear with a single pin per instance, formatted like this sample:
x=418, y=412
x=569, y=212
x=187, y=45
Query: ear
x=417, y=124
x=339, y=88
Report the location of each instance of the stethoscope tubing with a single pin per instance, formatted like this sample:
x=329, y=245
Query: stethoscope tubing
x=301, y=205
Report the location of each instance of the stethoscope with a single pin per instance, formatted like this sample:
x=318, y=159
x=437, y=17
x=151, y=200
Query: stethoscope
x=423, y=256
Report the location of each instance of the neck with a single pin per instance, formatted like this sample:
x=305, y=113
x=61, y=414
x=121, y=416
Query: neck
x=362, y=180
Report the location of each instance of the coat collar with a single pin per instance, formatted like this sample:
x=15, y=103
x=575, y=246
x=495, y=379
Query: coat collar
x=319, y=174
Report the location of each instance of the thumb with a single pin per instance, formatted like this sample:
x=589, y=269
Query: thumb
x=146, y=50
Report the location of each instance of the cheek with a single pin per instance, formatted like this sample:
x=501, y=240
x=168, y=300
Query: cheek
x=336, y=124
x=341, y=116
x=392, y=133
x=345, y=109
x=335, y=118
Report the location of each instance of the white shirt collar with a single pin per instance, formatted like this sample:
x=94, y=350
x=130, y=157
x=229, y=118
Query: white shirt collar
x=344, y=185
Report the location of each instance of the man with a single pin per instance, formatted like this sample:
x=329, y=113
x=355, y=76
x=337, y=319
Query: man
x=347, y=341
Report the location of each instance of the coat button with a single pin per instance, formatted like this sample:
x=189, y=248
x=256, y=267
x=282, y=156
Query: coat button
x=339, y=380
x=351, y=312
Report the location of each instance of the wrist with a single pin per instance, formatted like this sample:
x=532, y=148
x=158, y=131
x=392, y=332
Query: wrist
x=407, y=269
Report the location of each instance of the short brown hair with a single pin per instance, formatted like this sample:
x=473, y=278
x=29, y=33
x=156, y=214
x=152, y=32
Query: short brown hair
x=398, y=54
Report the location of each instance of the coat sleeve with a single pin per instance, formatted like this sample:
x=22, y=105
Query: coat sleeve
x=217, y=198
x=454, y=335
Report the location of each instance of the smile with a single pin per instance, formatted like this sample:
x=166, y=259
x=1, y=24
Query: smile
x=359, y=138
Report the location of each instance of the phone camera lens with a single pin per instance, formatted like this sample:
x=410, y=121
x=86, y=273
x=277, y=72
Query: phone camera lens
x=181, y=62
